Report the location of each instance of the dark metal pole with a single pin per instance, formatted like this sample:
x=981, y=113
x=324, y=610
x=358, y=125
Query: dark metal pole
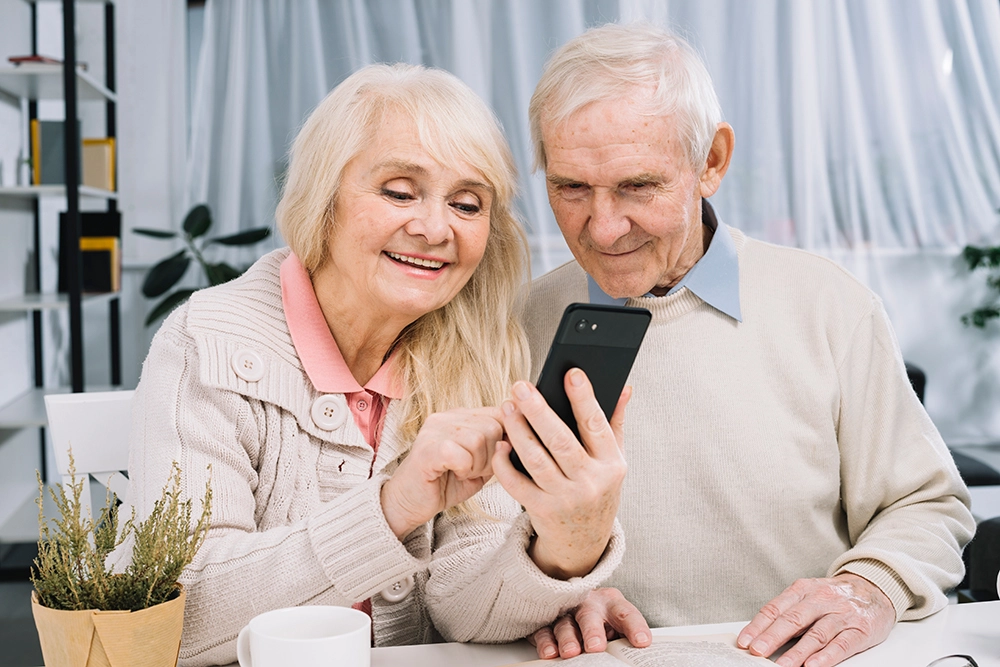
x=36, y=270
x=111, y=114
x=71, y=240
x=114, y=307
x=36, y=316
x=116, y=341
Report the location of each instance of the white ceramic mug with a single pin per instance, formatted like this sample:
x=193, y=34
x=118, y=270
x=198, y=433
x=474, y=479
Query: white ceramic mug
x=306, y=637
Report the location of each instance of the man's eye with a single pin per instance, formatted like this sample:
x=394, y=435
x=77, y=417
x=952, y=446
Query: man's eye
x=574, y=190
x=638, y=185
x=396, y=194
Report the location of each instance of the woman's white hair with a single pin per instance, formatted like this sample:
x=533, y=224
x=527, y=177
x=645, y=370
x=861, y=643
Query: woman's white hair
x=616, y=61
x=470, y=351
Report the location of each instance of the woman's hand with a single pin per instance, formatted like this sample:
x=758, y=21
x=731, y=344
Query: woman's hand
x=572, y=496
x=449, y=462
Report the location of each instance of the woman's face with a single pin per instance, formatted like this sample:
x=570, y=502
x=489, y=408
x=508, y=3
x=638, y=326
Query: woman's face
x=409, y=231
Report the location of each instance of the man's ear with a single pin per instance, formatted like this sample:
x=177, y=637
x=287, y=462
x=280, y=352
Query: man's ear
x=718, y=159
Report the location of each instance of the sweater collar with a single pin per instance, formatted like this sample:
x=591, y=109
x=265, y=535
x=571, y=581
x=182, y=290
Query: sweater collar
x=314, y=343
x=715, y=278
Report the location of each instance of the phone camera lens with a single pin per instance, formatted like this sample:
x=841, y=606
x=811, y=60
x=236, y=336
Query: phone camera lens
x=581, y=326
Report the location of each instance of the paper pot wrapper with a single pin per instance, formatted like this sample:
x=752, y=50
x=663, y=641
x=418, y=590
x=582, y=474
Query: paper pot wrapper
x=91, y=638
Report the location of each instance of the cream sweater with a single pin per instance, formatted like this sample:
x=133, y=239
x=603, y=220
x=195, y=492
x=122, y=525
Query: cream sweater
x=789, y=445
x=296, y=513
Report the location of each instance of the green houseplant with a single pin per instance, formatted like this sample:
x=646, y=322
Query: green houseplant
x=87, y=614
x=986, y=258
x=169, y=271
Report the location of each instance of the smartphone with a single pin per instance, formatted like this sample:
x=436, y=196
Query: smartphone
x=603, y=342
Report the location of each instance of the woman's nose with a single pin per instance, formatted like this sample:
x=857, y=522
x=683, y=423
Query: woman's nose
x=431, y=222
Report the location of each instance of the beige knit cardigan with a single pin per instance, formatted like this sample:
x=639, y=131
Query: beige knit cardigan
x=297, y=518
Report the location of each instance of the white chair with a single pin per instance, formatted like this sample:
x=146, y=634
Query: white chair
x=96, y=426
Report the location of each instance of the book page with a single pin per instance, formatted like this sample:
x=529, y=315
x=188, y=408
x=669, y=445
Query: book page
x=695, y=651
x=584, y=660
x=665, y=651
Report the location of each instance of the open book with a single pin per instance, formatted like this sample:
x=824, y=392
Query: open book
x=665, y=651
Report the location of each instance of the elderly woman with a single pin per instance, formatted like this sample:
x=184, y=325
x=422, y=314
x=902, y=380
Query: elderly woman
x=344, y=391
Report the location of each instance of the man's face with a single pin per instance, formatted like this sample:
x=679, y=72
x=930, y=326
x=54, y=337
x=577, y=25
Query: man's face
x=625, y=196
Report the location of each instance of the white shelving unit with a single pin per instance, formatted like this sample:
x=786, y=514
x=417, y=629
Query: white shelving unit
x=33, y=82
x=28, y=409
x=31, y=302
x=44, y=81
x=37, y=191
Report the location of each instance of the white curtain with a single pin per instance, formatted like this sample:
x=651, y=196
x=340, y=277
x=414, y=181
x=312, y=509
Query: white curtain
x=867, y=130
x=860, y=124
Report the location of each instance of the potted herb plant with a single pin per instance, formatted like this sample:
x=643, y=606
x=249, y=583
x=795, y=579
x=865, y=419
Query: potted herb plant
x=87, y=614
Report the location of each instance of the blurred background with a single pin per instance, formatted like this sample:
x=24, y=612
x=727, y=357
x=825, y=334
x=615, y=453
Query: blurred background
x=867, y=131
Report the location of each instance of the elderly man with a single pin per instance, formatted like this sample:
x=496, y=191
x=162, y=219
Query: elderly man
x=780, y=466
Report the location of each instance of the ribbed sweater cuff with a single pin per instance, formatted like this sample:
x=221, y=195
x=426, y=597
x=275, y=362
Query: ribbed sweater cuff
x=540, y=589
x=885, y=579
x=357, y=549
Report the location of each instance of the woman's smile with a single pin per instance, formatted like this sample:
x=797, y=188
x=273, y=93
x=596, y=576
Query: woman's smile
x=417, y=261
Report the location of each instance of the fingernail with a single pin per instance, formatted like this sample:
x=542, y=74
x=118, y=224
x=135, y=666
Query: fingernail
x=508, y=407
x=743, y=641
x=576, y=377
x=521, y=390
x=759, y=647
x=570, y=647
x=641, y=638
x=549, y=652
x=593, y=643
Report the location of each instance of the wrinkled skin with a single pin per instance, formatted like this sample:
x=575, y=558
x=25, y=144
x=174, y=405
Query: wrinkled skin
x=835, y=618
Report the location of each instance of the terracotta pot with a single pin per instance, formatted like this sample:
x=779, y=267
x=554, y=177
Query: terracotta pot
x=93, y=638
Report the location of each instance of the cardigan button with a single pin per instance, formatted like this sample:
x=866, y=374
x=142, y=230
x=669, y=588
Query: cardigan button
x=399, y=590
x=248, y=365
x=329, y=411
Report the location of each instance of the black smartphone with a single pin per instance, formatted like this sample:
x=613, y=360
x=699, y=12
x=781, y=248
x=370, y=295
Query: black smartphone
x=602, y=341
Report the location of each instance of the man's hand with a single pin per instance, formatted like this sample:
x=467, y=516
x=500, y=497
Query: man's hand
x=835, y=617
x=572, y=496
x=605, y=614
x=448, y=463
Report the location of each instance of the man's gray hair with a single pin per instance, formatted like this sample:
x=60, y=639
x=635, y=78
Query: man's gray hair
x=613, y=61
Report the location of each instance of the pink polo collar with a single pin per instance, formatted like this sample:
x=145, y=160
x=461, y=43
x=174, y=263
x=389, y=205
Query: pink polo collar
x=314, y=343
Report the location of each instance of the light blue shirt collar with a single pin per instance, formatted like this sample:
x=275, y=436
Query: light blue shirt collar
x=715, y=278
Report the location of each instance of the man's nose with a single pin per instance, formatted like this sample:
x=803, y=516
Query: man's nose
x=431, y=222
x=608, y=222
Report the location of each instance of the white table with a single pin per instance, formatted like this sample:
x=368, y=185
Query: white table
x=973, y=629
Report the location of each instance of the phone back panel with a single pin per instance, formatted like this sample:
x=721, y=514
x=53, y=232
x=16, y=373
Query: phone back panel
x=603, y=342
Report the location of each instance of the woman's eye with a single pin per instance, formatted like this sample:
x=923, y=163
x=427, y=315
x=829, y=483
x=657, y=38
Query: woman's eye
x=466, y=207
x=397, y=195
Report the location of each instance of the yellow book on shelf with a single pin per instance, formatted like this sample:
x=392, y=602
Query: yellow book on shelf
x=101, y=264
x=36, y=152
x=99, y=163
